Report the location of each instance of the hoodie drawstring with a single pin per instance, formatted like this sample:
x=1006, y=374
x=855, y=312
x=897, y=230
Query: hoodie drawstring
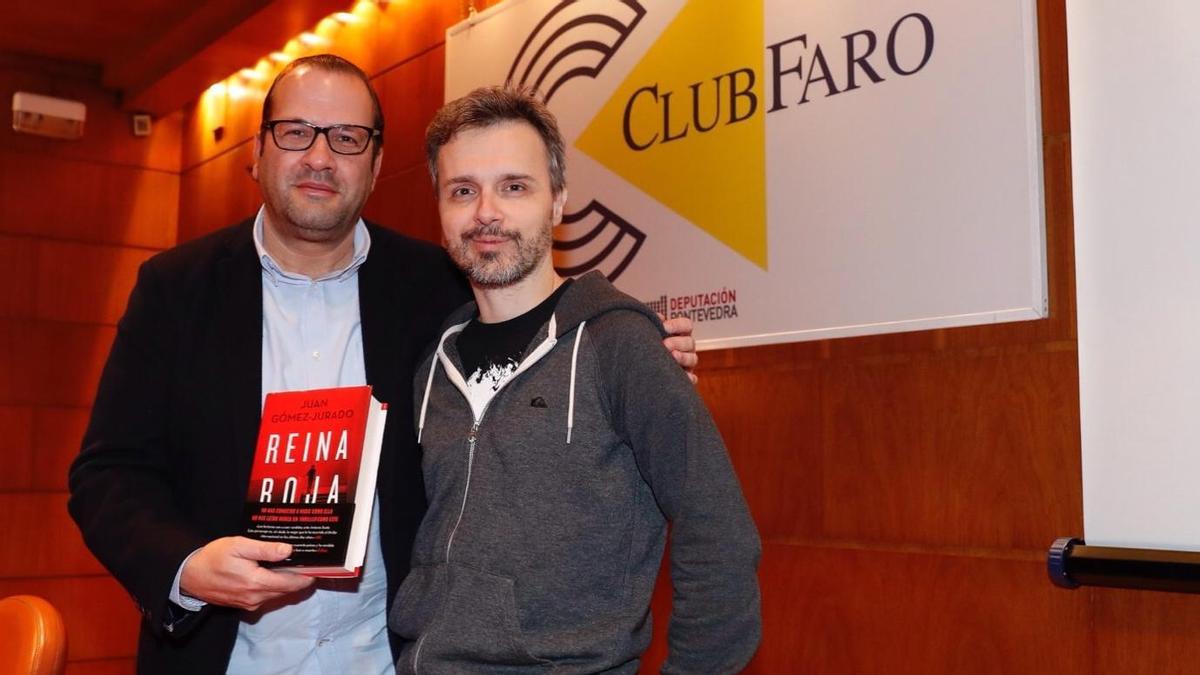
x=433, y=369
x=571, y=396
x=425, y=401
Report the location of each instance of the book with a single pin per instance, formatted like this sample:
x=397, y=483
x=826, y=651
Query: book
x=313, y=480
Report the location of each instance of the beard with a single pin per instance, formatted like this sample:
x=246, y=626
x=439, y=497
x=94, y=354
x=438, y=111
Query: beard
x=497, y=269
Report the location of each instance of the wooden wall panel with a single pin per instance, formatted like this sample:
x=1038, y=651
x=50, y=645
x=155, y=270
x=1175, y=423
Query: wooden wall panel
x=16, y=372
x=408, y=114
x=16, y=447
x=1052, y=48
x=217, y=193
x=358, y=41
x=773, y=357
x=404, y=201
x=237, y=117
x=40, y=539
x=87, y=201
x=778, y=461
x=18, y=257
x=866, y=612
x=1145, y=633
x=66, y=281
x=956, y=451
x=71, y=358
x=410, y=28
x=52, y=363
x=56, y=435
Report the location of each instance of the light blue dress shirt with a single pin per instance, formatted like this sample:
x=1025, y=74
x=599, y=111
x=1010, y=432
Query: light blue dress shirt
x=312, y=338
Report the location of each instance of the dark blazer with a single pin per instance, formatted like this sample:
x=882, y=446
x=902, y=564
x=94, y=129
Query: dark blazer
x=166, y=458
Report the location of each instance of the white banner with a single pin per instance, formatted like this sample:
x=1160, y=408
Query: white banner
x=784, y=171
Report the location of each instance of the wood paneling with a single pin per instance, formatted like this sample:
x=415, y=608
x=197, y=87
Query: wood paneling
x=404, y=201
x=40, y=539
x=778, y=459
x=408, y=115
x=87, y=201
x=1052, y=54
x=830, y=610
x=217, y=193
x=966, y=451
x=57, y=433
x=16, y=447
x=1145, y=633
x=238, y=118
x=101, y=620
x=409, y=28
x=51, y=363
x=68, y=286
x=358, y=41
x=18, y=257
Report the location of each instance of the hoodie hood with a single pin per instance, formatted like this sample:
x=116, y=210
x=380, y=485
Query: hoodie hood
x=588, y=297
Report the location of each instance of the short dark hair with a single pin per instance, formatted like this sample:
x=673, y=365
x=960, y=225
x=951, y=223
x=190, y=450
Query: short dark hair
x=335, y=64
x=487, y=106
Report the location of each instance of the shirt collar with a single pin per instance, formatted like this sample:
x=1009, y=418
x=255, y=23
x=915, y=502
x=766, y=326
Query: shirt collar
x=362, y=244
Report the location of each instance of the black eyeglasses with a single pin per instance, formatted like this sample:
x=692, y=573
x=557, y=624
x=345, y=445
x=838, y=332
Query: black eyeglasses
x=344, y=139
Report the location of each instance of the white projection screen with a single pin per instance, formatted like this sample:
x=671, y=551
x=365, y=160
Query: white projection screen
x=1135, y=129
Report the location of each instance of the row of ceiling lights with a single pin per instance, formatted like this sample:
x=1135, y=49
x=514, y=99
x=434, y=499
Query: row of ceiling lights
x=247, y=80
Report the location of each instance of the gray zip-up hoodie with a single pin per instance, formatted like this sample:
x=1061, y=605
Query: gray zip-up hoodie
x=548, y=507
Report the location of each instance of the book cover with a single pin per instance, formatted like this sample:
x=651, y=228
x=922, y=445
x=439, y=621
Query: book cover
x=313, y=480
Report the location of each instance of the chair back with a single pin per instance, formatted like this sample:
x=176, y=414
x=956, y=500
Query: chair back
x=33, y=640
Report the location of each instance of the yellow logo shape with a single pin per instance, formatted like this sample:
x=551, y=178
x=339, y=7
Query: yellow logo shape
x=687, y=126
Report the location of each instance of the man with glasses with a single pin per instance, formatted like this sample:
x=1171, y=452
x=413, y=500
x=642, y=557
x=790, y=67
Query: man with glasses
x=305, y=295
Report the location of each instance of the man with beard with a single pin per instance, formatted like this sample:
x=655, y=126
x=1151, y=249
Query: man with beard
x=558, y=441
x=305, y=295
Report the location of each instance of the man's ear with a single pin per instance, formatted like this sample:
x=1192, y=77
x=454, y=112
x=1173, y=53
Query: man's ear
x=559, y=202
x=258, y=148
x=376, y=165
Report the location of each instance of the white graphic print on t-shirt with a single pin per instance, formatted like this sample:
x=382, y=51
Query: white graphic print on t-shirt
x=486, y=381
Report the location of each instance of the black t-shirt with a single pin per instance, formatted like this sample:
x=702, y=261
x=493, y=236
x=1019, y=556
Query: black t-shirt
x=491, y=351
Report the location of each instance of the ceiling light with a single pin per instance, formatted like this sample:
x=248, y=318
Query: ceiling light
x=313, y=40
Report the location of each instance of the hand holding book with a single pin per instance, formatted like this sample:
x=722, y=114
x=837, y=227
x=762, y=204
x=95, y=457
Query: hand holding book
x=227, y=571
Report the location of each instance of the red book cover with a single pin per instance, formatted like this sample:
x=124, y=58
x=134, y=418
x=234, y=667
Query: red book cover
x=313, y=481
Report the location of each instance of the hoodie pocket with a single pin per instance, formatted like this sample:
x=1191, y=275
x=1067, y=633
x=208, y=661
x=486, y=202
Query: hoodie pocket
x=463, y=619
x=417, y=601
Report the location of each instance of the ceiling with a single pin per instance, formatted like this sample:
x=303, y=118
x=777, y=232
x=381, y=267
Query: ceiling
x=158, y=54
